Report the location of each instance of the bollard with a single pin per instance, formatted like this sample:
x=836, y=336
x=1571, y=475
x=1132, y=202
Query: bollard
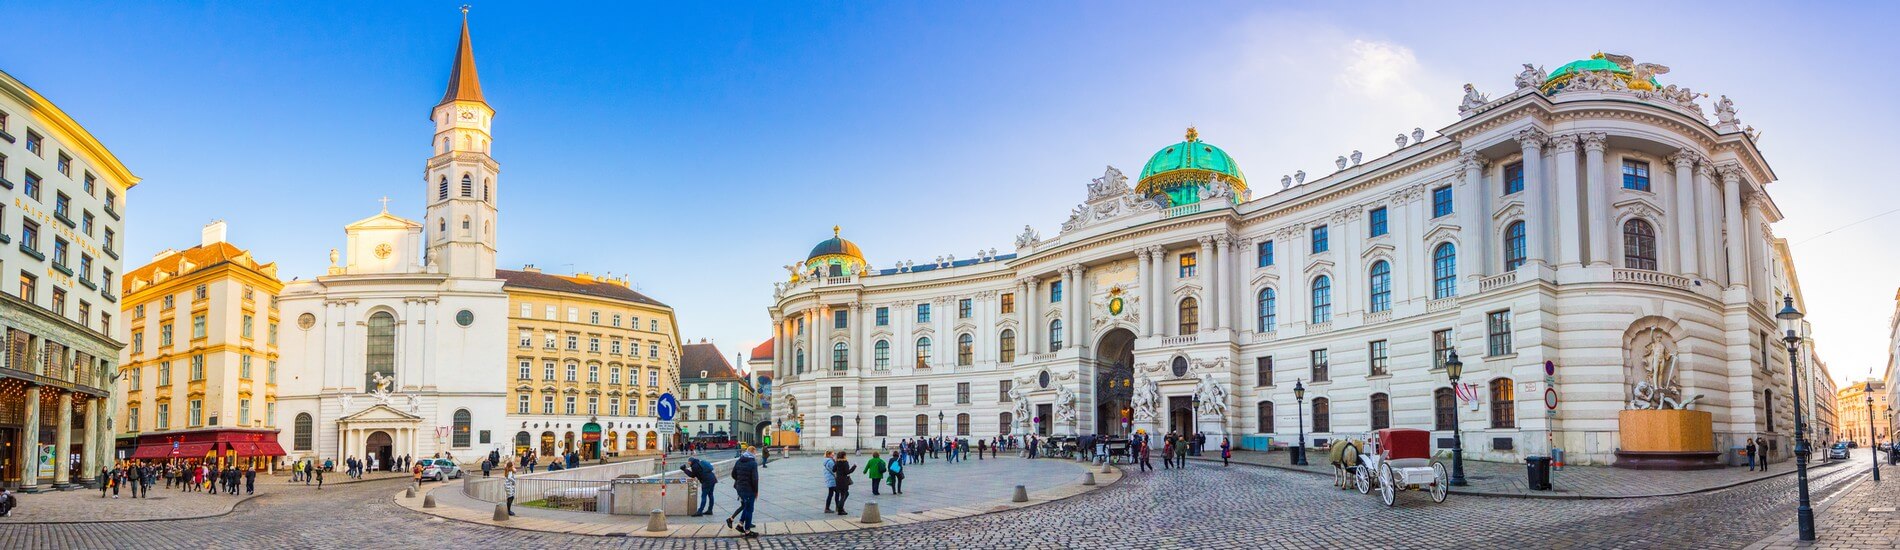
x=1022, y=495
x=410, y=492
x=1106, y=468
x=1088, y=478
x=871, y=514
x=428, y=501
x=501, y=512
x=656, y=521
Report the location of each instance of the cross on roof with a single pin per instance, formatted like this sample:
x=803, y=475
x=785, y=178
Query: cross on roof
x=385, y=201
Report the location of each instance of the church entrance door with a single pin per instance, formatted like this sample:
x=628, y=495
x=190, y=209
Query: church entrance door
x=378, y=444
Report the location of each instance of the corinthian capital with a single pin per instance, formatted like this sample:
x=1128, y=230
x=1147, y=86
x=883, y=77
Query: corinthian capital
x=1593, y=141
x=1531, y=138
x=1730, y=170
x=1471, y=159
x=1223, y=239
x=1683, y=158
x=1564, y=143
x=1205, y=240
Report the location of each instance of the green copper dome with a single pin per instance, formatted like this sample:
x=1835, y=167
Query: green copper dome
x=1596, y=63
x=1179, y=170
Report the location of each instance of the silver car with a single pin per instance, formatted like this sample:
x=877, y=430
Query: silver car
x=439, y=469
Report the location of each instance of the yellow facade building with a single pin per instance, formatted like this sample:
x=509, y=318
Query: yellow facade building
x=199, y=373
x=1851, y=406
x=590, y=358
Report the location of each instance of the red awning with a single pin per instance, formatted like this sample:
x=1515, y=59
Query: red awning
x=242, y=448
x=269, y=448
x=190, y=450
x=163, y=450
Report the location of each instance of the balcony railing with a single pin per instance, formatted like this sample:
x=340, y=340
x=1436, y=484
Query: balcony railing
x=1268, y=336
x=1647, y=277
x=1378, y=316
x=1180, y=340
x=1182, y=210
x=1441, y=304
x=1498, y=281
x=1317, y=328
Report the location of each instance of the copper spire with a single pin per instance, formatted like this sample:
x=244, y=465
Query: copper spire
x=464, y=85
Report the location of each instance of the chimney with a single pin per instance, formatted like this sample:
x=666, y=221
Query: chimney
x=213, y=233
x=530, y=268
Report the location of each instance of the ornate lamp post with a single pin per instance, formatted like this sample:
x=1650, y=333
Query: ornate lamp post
x=1455, y=369
x=1804, y=512
x=857, y=433
x=1299, y=407
x=1194, y=423
x=939, y=423
x=1873, y=434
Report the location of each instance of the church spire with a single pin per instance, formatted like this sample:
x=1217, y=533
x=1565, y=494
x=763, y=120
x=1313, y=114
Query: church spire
x=464, y=85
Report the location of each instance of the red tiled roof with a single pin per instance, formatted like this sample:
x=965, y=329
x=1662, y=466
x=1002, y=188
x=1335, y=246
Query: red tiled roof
x=575, y=285
x=200, y=257
x=706, y=357
x=763, y=350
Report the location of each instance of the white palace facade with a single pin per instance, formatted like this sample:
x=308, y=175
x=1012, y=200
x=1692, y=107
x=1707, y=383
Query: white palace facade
x=1556, y=239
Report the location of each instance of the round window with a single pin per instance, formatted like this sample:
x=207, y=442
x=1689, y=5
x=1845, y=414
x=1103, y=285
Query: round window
x=1180, y=367
x=1043, y=379
x=465, y=317
x=306, y=321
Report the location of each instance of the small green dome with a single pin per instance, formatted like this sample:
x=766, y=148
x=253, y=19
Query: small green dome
x=1191, y=161
x=835, y=246
x=1595, y=63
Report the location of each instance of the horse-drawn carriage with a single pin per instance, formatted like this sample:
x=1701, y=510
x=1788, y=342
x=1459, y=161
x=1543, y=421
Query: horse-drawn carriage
x=1392, y=460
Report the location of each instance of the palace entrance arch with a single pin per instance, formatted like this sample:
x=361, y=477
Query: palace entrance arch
x=1114, y=382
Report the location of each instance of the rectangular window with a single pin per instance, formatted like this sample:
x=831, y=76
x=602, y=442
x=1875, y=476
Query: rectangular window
x=593, y=344
x=573, y=372
x=1441, y=201
x=615, y=347
x=547, y=370
x=1055, y=291
x=521, y=404
x=64, y=163
x=1008, y=303
x=164, y=416
x=923, y=394
x=1188, y=264
x=527, y=310
x=963, y=393
x=197, y=327
x=164, y=373
x=527, y=339
x=28, y=287
x=1319, y=240
x=593, y=317
x=1321, y=370
x=1441, y=348
x=616, y=319
x=200, y=293
x=1513, y=177
x=62, y=206
x=1375, y=222
x=33, y=140
x=245, y=327
x=593, y=405
x=196, y=413
x=524, y=370
x=548, y=312
x=29, y=235
x=653, y=351
x=837, y=397
x=270, y=372
x=1263, y=370
x=883, y=316
x=653, y=325
x=1498, y=332
x=923, y=313
x=547, y=340
x=132, y=418
x=613, y=406
x=244, y=367
x=1002, y=390
x=593, y=374
x=573, y=314
x=86, y=222
x=59, y=252
x=569, y=405
x=164, y=335
x=653, y=377
x=573, y=343
x=32, y=185
x=840, y=319
x=1636, y=175
x=964, y=307
x=138, y=342
x=547, y=404
x=880, y=396
x=244, y=412
x=1503, y=403
x=197, y=368
x=108, y=239
x=1265, y=253
x=613, y=376
x=1375, y=359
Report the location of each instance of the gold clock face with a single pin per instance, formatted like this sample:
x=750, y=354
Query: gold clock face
x=383, y=250
x=468, y=115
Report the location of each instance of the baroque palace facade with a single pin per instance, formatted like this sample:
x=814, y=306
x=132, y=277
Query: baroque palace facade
x=1569, y=241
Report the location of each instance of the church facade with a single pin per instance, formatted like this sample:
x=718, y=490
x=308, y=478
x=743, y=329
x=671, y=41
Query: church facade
x=1589, y=243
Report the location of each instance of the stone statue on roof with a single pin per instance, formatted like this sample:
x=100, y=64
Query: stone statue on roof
x=1532, y=77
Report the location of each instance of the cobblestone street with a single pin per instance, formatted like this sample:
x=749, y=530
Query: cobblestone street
x=1203, y=507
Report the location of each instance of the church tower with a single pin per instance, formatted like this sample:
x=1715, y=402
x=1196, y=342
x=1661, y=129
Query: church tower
x=461, y=176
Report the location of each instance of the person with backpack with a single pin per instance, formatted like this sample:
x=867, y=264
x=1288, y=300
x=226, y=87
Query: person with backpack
x=874, y=469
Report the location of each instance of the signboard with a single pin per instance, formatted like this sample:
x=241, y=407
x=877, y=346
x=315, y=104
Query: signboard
x=590, y=432
x=664, y=427
x=669, y=406
x=47, y=458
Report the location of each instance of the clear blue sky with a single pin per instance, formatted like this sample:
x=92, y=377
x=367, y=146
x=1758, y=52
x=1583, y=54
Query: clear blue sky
x=700, y=147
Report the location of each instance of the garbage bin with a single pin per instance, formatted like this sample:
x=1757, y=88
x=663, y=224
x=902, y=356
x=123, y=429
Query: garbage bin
x=1539, y=470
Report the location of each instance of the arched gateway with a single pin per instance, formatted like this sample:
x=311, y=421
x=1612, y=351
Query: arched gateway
x=1114, y=382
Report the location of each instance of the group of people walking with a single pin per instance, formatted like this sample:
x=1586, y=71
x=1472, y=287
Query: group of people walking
x=138, y=478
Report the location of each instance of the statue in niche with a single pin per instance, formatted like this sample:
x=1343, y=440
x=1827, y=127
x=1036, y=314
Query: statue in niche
x=1660, y=387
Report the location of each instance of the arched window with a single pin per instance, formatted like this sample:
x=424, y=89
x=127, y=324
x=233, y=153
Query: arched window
x=881, y=355
x=1006, y=346
x=1381, y=287
x=1503, y=403
x=1003, y=422
x=300, y=433
x=1190, y=317
x=966, y=349
x=1514, y=245
x=840, y=356
x=462, y=422
x=1322, y=415
x=468, y=186
x=442, y=188
x=1263, y=411
x=880, y=426
x=837, y=425
x=1381, y=411
x=1264, y=304
x=1639, y=245
x=1444, y=415
x=1322, y=299
x=923, y=425
x=798, y=361
x=465, y=225
x=441, y=227
x=963, y=424
x=380, y=355
x=1055, y=335
x=923, y=351
x=488, y=186
x=1444, y=271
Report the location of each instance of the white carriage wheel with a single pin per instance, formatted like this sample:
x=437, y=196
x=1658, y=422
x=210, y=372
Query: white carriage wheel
x=1362, y=476
x=1441, y=484
x=1387, y=481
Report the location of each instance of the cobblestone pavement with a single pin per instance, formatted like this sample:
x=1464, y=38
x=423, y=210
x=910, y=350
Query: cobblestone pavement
x=1501, y=478
x=1202, y=507
x=85, y=505
x=1864, y=516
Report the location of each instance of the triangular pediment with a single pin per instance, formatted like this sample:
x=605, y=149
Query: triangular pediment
x=378, y=412
x=383, y=220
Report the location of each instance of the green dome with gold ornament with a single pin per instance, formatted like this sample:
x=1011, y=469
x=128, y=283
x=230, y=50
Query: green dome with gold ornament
x=1598, y=62
x=1181, y=170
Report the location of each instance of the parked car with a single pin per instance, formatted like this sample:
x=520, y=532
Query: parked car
x=1838, y=451
x=439, y=469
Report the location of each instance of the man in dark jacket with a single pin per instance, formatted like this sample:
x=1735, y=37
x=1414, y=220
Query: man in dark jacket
x=745, y=481
x=842, y=469
x=703, y=472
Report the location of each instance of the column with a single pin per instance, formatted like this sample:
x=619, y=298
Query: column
x=1758, y=237
x=1293, y=286
x=62, y=438
x=1471, y=217
x=1683, y=216
x=1234, y=291
x=89, y=453
x=1536, y=206
x=1032, y=321
x=1223, y=280
x=1597, y=197
x=30, y=440
x=1145, y=275
x=1204, y=271
x=944, y=345
x=1081, y=294
x=1732, y=215
x=1569, y=242
x=1709, y=223
x=1158, y=291
x=1348, y=292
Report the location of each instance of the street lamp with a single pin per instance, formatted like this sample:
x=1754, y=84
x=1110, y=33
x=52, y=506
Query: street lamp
x=1804, y=512
x=1873, y=433
x=939, y=423
x=1455, y=369
x=1299, y=407
x=1194, y=422
x=857, y=431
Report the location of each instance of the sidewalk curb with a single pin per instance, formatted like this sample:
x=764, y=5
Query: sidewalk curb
x=1561, y=496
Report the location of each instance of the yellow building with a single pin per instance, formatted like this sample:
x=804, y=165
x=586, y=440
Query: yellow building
x=199, y=373
x=1852, y=408
x=591, y=357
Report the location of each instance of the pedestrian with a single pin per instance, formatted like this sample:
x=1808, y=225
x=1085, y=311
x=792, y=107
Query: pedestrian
x=708, y=480
x=843, y=468
x=831, y=479
x=1761, y=446
x=765, y=456
x=1167, y=452
x=508, y=486
x=1750, y=451
x=1146, y=464
x=894, y=471
x=982, y=446
x=1180, y=454
x=7, y=502
x=745, y=482
x=1226, y=450
x=874, y=469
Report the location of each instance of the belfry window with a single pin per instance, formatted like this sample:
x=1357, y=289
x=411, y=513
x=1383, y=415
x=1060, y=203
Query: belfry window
x=442, y=188
x=468, y=186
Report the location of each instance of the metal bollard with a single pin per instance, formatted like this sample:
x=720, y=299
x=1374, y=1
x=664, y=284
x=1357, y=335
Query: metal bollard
x=1088, y=478
x=1022, y=494
x=501, y=512
x=656, y=521
x=428, y=501
x=871, y=514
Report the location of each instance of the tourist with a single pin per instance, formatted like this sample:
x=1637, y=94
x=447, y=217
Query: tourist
x=7, y=502
x=250, y=481
x=708, y=480
x=745, y=481
x=1226, y=450
x=874, y=469
x=895, y=472
x=508, y=486
x=843, y=469
x=831, y=480
x=1147, y=465
x=1167, y=452
x=1181, y=454
x=1750, y=453
x=765, y=456
x=1761, y=446
x=982, y=446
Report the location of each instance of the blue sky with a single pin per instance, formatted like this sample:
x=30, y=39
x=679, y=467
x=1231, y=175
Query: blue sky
x=698, y=148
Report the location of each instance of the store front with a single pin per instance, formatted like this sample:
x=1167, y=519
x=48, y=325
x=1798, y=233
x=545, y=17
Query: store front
x=244, y=448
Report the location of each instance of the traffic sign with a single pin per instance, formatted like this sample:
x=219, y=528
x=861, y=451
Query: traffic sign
x=669, y=406
x=664, y=427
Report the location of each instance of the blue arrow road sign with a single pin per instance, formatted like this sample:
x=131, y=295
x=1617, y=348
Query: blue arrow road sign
x=669, y=406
